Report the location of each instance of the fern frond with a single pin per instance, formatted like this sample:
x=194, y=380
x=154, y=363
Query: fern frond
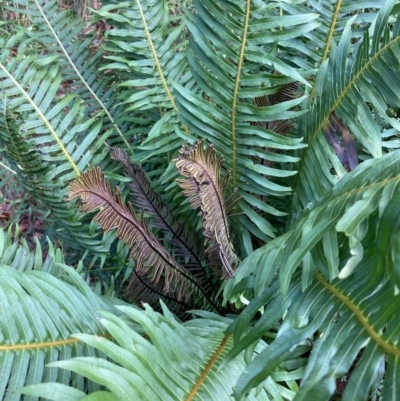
x=146, y=46
x=350, y=291
x=154, y=266
x=65, y=129
x=314, y=47
x=184, y=243
x=42, y=304
x=145, y=367
x=357, y=90
x=230, y=78
x=40, y=178
x=206, y=191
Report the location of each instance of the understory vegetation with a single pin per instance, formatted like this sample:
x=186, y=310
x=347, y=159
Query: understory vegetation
x=200, y=200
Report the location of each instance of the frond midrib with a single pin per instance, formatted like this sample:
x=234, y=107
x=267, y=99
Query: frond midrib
x=102, y=105
x=208, y=368
x=46, y=344
x=328, y=40
x=44, y=119
x=375, y=336
x=236, y=91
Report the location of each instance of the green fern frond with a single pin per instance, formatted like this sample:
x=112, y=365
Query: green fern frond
x=65, y=131
x=144, y=368
x=230, y=78
x=350, y=291
x=357, y=89
x=146, y=46
x=42, y=304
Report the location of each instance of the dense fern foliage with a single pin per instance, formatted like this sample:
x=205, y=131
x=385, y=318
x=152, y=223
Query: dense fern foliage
x=242, y=159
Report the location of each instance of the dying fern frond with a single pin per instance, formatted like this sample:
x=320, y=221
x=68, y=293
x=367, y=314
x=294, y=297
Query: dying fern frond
x=154, y=265
x=184, y=242
x=207, y=193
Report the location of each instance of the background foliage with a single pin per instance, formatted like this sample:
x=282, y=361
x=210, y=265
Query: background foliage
x=301, y=99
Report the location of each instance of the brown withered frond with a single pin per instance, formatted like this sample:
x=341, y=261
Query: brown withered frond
x=185, y=245
x=281, y=127
x=203, y=185
x=287, y=92
x=154, y=265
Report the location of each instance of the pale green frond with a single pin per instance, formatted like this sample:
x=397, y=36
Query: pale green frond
x=42, y=305
x=351, y=323
x=152, y=368
x=362, y=90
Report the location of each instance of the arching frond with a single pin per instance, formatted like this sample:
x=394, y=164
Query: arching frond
x=345, y=250
x=232, y=58
x=144, y=368
x=156, y=271
x=361, y=91
x=42, y=305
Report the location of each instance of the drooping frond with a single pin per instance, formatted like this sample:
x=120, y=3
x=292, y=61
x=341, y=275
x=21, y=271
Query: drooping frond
x=350, y=302
x=42, y=303
x=174, y=361
x=206, y=191
x=361, y=87
x=233, y=59
x=184, y=242
x=154, y=266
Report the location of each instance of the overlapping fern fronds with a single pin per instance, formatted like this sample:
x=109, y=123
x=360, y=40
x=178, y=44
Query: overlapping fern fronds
x=144, y=368
x=359, y=83
x=233, y=61
x=345, y=250
x=43, y=302
x=54, y=107
x=157, y=273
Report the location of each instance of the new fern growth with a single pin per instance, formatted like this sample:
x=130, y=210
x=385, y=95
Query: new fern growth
x=181, y=276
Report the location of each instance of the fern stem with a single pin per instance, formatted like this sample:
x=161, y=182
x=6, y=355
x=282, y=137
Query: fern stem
x=328, y=40
x=236, y=90
x=207, y=369
x=47, y=344
x=389, y=348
